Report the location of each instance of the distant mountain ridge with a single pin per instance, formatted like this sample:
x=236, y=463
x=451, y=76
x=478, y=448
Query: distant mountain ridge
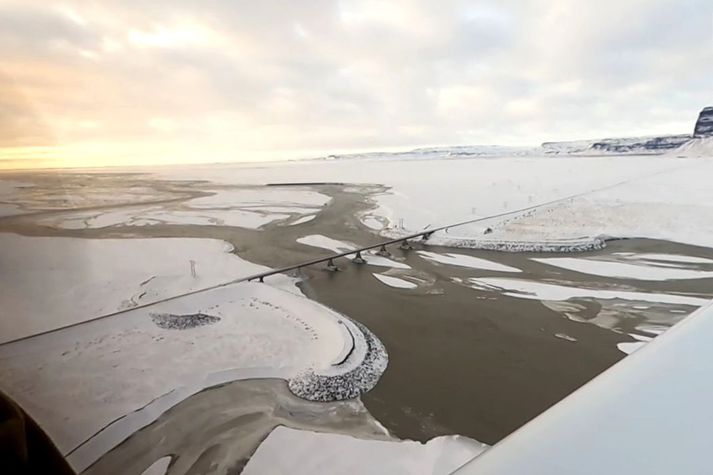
x=635, y=145
x=618, y=146
x=647, y=145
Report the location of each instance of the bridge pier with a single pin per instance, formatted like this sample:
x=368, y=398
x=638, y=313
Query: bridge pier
x=358, y=259
x=405, y=245
x=383, y=252
x=331, y=266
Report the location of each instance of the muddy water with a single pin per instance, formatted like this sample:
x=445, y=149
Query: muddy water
x=462, y=360
x=478, y=363
x=217, y=430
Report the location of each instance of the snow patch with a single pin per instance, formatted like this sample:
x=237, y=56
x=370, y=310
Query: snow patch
x=463, y=260
x=623, y=270
x=260, y=197
x=373, y=222
x=395, y=282
x=303, y=220
x=292, y=451
x=80, y=279
x=543, y=291
x=159, y=467
x=324, y=242
x=672, y=258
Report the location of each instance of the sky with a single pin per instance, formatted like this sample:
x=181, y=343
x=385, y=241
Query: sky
x=123, y=82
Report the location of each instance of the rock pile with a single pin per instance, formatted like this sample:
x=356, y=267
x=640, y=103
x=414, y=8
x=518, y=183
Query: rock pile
x=349, y=385
x=169, y=321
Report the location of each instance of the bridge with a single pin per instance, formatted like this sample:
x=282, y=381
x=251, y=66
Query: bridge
x=358, y=259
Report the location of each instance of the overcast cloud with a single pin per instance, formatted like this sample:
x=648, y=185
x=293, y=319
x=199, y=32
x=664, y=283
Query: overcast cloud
x=126, y=81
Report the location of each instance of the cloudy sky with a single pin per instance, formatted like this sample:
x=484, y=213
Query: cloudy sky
x=125, y=81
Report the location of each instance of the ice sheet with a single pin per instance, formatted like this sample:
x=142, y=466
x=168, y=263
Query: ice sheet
x=544, y=291
x=324, y=242
x=623, y=270
x=463, y=260
x=395, y=282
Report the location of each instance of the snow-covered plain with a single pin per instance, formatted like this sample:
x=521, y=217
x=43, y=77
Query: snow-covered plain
x=633, y=196
x=292, y=451
x=51, y=282
x=674, y=206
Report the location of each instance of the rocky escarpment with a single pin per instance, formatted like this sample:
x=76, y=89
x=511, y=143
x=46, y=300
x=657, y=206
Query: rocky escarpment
x=619, y=146
x=704, y=124
x=653, y=144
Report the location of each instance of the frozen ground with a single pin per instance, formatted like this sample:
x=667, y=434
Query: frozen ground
x=124, y=372
x=80, y=279
x=674, y=206
x=291, y=451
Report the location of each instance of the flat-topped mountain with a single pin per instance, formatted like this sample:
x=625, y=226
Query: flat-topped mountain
x=704, y=124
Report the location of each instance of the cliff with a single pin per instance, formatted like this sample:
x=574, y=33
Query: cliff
x=704, y=124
